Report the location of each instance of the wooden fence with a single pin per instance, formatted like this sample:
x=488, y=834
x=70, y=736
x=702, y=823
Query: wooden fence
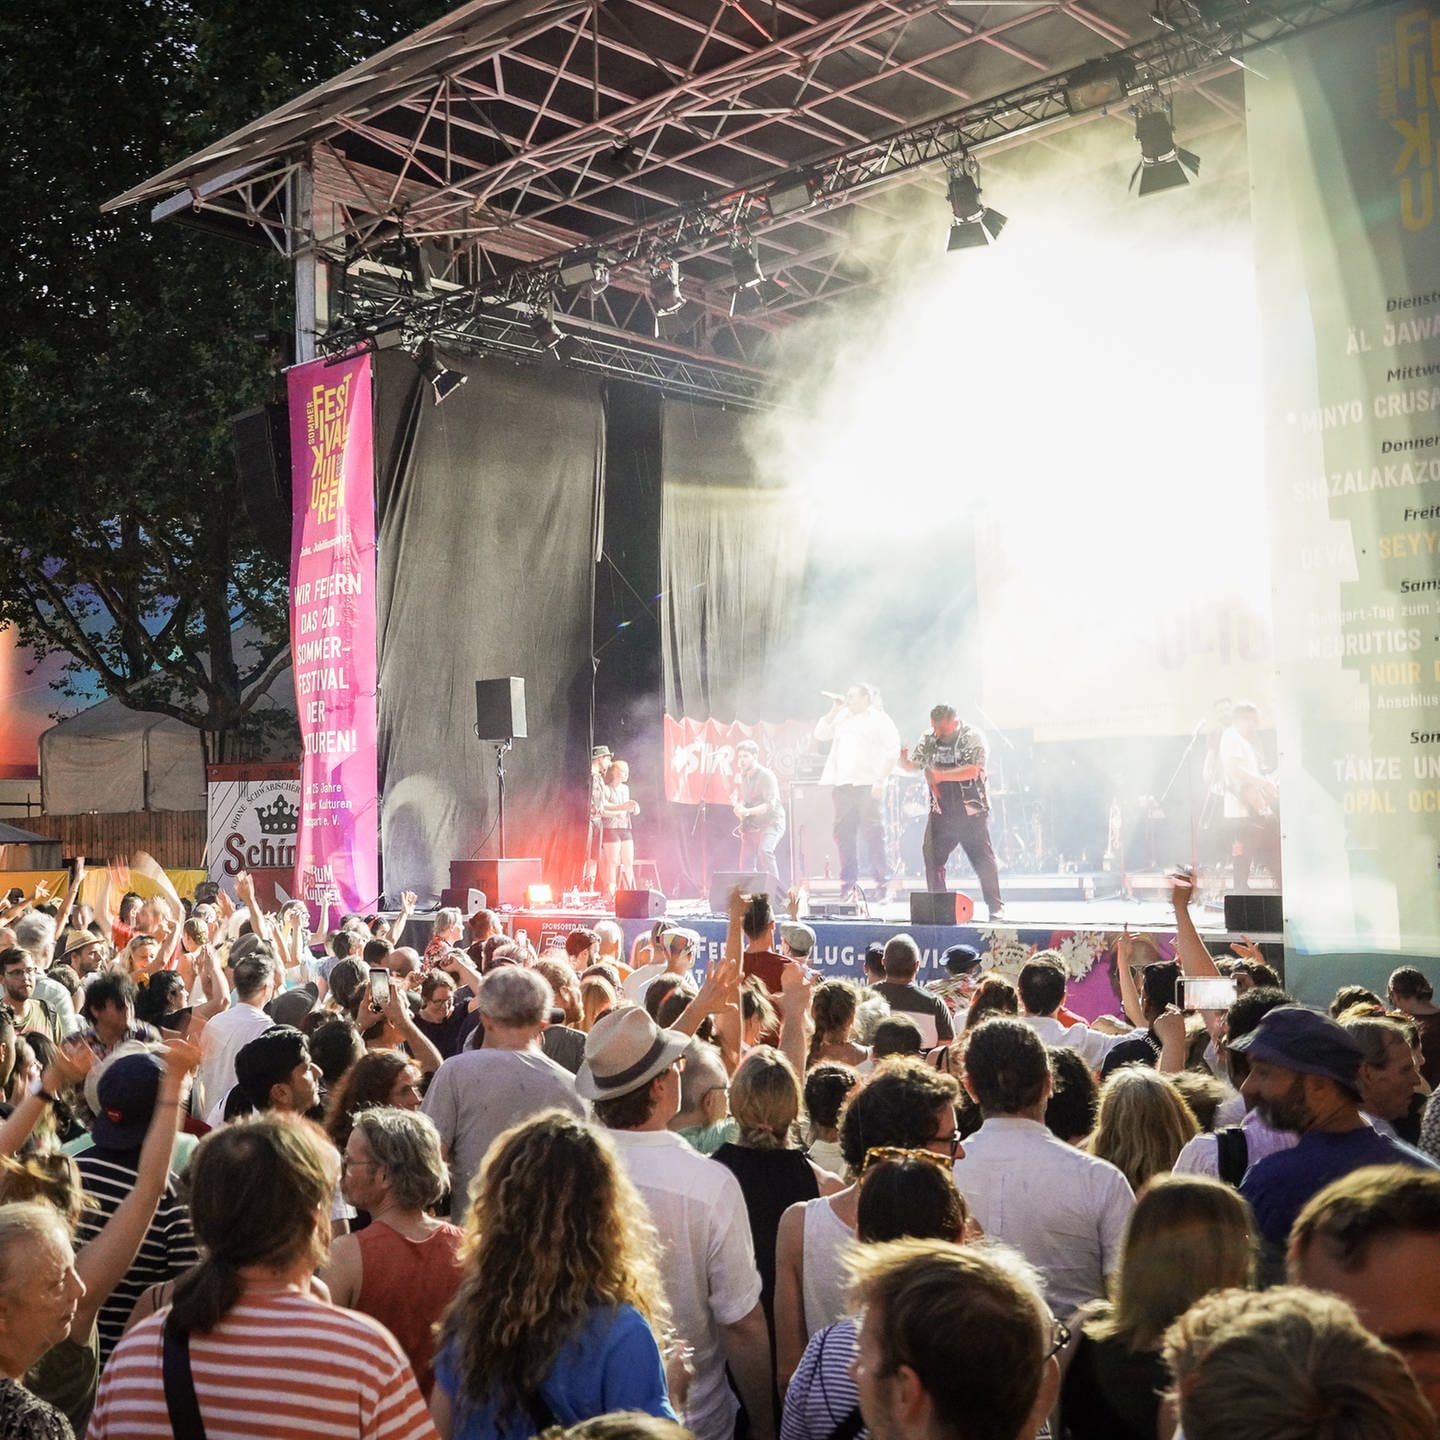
x=176, y=838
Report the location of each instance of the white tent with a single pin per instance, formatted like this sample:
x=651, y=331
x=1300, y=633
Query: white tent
x=112, y=759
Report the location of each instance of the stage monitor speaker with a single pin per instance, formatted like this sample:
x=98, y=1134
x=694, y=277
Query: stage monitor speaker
x=749, y=882
x=500, y=708
x=504, y=881
x=935, y=906
x=639, y=904
x=1251, y=914
x=260, y=441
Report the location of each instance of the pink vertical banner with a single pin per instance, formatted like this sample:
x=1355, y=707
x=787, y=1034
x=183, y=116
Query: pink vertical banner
x=332, y=633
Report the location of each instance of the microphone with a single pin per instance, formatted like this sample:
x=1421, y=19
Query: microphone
x=831, y=695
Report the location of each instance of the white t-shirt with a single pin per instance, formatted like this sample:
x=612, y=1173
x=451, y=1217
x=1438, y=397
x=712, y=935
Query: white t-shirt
x=221, y=1041
x=1091, y=1045
x=708, y=1262
x=864, y=749
x=1238, y=757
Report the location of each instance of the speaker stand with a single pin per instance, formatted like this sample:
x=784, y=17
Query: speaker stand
x=502, y=747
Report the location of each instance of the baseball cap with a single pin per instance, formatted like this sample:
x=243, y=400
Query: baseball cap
x=598, y=752
x=798, y=936
x=125, y=1098
x=1299, y=1038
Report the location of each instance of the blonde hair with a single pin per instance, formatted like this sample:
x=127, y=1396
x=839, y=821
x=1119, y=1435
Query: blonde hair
x=597, y=995
x=1142, y=1124
x=765, y=1100
x=1187, y=1236
x=1289, y=1364
x=52, y=1178
x=555, y=1228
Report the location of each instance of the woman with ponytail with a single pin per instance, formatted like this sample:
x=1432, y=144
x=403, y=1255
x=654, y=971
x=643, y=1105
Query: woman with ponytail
x=243, y=1334
x=766, y=1158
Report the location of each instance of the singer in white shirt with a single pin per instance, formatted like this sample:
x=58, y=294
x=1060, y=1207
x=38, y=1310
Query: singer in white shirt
x=864, y=750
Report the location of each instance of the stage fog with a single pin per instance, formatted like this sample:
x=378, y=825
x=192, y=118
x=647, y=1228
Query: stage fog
x=1028, y=480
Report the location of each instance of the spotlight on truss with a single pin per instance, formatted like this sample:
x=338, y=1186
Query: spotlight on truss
x=1163, y=164
x=387, y=333
x=443, y=381
x=588, y=267
x=787, y=196
x=1098, y=83
x=545, y=330
x=973, y=224
x=665, y=296
x=745, y=266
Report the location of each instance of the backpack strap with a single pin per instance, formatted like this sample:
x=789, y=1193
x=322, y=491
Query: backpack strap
x=180, y=1399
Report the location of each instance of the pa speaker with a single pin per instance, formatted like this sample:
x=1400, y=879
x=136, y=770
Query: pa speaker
x=504, y=881
x=639, y=904
x=500, y=708
x=940, y=907
x=748, y=882
x=260, y=441
x=1255, y=914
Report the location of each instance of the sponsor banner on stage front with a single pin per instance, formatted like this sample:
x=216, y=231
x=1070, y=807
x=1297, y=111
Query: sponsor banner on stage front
x=700, y=755
x=332, y=633
x=1345, y=202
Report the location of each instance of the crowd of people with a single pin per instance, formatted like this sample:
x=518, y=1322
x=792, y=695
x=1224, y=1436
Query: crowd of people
x=260, y=1183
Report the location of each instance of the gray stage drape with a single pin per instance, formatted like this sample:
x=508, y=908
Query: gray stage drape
x=488, y=510
x=732, y=557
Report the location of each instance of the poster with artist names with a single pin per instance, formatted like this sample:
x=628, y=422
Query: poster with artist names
x=332, y=634
x=1344, y=137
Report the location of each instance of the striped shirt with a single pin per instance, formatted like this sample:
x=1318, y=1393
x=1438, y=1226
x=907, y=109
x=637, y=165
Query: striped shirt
x=278, y=1365
x=168, y=1249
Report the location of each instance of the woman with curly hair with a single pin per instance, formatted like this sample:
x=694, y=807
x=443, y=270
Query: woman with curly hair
x=557, y=1316
x=1142, y=1124
x=378, y=1077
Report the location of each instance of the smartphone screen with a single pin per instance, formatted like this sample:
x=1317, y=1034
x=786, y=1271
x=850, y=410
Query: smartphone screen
x=1207, y=992
x=379, y=988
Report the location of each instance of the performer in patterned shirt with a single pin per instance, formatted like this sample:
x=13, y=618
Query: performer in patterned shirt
x=952, y=755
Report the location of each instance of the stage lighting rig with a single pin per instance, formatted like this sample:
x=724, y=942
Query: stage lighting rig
x=973, y=224
x=589, y=268
x=665, y=296
x=443, y=381
x=789, y=195
x=745, y=266
x=1163, y=164
x=545, y=330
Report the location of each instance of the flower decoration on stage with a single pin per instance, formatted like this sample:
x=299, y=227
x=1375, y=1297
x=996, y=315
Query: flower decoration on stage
x=1005, y=953
x=1079, y=950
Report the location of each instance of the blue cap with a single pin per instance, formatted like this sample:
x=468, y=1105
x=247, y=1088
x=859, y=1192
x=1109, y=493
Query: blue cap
x=1309, y=1041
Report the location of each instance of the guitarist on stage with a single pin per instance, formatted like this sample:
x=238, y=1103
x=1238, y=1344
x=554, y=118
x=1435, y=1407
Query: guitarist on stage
x=952, y=755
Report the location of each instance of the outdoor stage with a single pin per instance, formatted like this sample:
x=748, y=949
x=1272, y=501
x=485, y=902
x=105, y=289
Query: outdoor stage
x=1083, y=931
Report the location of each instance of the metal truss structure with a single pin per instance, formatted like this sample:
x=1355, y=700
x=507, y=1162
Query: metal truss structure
x=523, y=161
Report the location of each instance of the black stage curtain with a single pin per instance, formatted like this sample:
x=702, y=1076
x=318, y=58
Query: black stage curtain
x=732, y=557
x=488, y=512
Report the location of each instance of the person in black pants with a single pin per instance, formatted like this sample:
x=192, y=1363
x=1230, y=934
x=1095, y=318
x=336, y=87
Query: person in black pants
x=952, y=755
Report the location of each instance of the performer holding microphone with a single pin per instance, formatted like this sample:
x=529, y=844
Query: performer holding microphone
x=864, y=746
x=952, y=756
x=759, y=810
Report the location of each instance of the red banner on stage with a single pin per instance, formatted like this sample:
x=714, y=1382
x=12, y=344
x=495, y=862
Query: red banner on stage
x=700, y=755
x=332, y=633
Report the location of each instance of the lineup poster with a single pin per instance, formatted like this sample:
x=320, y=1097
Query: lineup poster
x=332, y=633
x=1344, y=137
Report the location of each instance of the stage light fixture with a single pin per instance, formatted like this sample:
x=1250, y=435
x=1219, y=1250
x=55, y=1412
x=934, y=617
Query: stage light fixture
x=1099, y=83
x=745, y=267
x=589, y=267
x=545, y=330
x=386, y=334
x=539, y=895
x=443, y=381
x=1163, y=164
x=665, y=295
x=787, y=196
x=973, y=224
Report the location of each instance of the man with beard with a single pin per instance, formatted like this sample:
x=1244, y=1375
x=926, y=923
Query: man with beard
x=1305, y=1077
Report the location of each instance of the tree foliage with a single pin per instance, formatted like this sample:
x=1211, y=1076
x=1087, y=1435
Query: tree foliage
x=123, y=538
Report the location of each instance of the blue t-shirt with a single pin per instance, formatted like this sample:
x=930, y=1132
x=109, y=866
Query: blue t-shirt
x=1279, y=1186
x=614, y=1363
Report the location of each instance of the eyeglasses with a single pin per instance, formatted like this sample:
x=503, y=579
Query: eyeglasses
x=1059, y=1338
x=900, y=1152
x=348, y=1163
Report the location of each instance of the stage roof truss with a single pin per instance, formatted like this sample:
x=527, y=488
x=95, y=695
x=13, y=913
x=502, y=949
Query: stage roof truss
x=513, y=136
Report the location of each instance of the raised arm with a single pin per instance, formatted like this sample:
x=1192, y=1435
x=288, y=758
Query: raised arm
x=245, y=890
x=407, y=909
x=1125, y=972
x=397, y=1012
x=212, y=984
x=103, y=1262
x=68, y=904
x=73, y=1059
x=1194, y=958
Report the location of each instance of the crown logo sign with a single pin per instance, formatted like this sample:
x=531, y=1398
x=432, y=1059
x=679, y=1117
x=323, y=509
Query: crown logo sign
x=281, y=818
